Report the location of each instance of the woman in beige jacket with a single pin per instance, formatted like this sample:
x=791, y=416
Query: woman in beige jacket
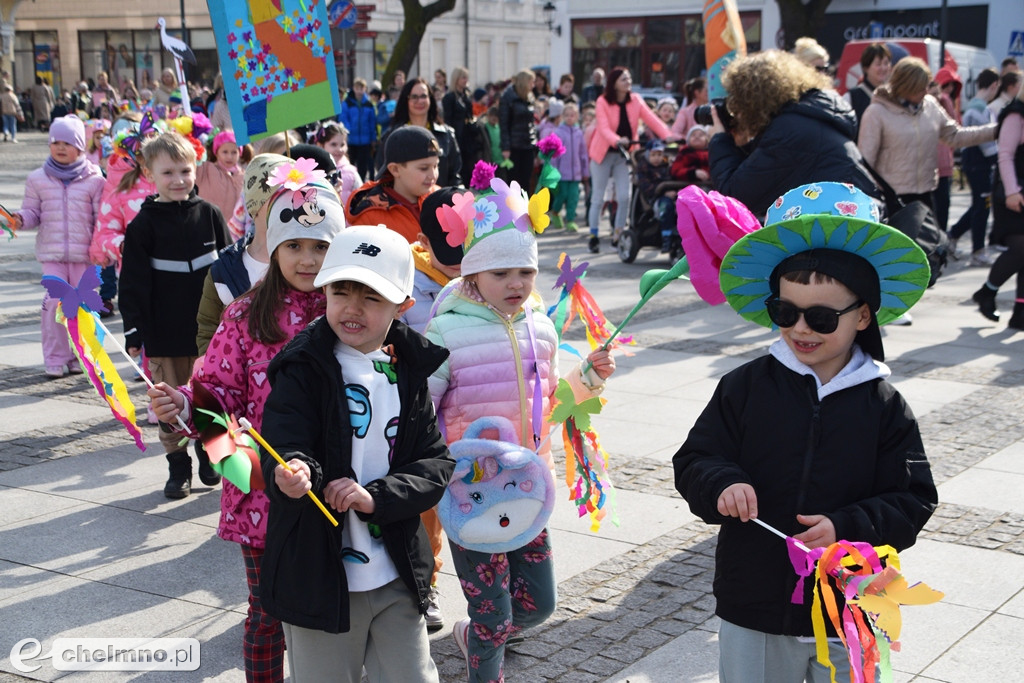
x=902, y=127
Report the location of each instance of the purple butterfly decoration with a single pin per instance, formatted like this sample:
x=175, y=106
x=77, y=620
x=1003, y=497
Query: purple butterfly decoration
x=568, y=276
x=132, y=142
x=71, y=298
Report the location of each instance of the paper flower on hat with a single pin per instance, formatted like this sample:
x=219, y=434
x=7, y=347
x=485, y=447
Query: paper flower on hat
x=538, y=210
x=824, y=221
x=513, y=204
x=709, y=224
x=296, y=175
x=455, y=219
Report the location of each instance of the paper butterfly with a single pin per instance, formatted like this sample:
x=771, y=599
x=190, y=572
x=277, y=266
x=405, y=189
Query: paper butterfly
x=454, y=220
x=568, y=275
x=72, y=297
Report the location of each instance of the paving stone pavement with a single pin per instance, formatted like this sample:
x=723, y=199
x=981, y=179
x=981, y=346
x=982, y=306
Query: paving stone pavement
x=634, y=602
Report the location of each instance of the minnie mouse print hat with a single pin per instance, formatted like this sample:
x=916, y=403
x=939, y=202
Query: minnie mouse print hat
x=305, y=205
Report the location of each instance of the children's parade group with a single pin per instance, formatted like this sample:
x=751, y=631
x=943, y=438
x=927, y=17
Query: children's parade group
x=385, y=344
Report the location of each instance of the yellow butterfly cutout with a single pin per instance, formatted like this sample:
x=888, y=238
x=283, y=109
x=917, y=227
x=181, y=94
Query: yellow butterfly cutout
x=885, y=605
x=539, y=204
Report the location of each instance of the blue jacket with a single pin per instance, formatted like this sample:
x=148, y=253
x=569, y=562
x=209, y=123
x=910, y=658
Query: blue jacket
x=360, y=117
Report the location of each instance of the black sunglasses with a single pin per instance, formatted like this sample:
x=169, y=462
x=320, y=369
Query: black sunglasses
x=821, y=319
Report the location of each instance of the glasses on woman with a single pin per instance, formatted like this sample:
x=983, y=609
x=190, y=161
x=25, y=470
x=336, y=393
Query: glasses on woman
x=821, y=319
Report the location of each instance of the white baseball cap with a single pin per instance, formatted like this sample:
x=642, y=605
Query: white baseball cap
x=374, y=255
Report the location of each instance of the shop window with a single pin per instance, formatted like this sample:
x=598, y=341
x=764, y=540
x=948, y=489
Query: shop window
x=36, y=53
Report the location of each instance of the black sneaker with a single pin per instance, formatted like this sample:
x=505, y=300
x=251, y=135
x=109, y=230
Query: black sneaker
x=594, y=245
x=108, y=309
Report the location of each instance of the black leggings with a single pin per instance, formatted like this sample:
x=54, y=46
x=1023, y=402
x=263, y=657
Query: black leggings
x=1009, y=262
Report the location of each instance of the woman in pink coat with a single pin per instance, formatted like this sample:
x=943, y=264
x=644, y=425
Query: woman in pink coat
x=253, y=329
x=619, y=111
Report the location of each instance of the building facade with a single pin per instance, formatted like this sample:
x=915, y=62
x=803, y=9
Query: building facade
x=67, y=41
x=663, y=44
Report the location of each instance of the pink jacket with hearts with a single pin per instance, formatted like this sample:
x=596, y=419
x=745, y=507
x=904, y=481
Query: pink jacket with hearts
x=235, y=370
x=117, y=209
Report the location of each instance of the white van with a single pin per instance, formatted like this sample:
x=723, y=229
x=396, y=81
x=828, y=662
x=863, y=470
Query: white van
x=968, y=59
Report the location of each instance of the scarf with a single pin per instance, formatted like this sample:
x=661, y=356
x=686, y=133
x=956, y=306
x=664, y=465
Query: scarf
x=65, y=173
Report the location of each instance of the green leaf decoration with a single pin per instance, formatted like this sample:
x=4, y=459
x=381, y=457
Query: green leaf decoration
x=568, y=408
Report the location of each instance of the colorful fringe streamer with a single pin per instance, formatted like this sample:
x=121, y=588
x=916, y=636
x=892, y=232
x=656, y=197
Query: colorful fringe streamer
x=7, y=222
x=87, y=341
x=586, y=475
x=869, y=622
x=575, y=300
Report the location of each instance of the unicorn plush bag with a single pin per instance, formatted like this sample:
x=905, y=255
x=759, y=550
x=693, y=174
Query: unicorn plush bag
x=501, y=494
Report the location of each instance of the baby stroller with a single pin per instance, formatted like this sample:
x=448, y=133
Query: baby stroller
x=643, y=229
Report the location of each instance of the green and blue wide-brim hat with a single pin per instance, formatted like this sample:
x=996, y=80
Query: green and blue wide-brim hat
x=824, y=216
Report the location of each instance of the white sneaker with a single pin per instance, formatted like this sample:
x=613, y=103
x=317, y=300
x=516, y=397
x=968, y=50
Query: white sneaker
x=902, y=321
x=461, y=635
x=434, y=617
x=980, y=259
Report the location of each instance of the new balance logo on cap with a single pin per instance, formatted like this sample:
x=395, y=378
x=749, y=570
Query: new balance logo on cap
x=368, y=249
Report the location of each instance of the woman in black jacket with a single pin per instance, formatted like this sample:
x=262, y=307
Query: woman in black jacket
x=792, y=129
x=518, y=127
x=457, y=105
x=416, y=106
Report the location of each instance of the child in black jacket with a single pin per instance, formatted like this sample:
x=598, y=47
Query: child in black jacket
x=168, y=248
x=811, y=438
x=351, y=412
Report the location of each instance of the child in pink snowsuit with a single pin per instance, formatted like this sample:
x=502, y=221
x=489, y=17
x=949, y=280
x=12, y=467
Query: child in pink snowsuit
x=62, y=199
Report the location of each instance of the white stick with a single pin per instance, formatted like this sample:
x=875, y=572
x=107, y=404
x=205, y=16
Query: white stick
x=142, y=374
x=781, y=535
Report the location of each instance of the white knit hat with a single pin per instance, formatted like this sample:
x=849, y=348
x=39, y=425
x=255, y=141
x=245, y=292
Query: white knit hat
x=502, y=248
x=312, y=212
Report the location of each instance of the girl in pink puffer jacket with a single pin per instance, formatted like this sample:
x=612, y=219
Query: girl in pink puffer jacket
x=124, y=191
x=503, y=362
x=62, y=199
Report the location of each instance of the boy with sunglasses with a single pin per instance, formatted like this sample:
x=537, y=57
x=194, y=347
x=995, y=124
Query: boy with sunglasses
x=810, y=438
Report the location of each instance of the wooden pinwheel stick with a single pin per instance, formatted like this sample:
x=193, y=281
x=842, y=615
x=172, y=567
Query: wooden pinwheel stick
x=142, y=374
x=247, y=426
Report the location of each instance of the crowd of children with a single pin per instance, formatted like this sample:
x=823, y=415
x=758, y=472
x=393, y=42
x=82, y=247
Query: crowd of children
x=362, y=333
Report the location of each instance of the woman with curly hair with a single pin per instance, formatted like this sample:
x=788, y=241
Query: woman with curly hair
x=789, y=129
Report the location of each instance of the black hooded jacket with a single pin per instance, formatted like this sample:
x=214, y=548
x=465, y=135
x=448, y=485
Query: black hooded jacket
x=855, y=456
x=813, y=140
x=302, y=578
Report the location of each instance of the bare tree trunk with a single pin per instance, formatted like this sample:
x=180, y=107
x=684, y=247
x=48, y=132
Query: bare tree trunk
x=801, y=18
x=417, y=17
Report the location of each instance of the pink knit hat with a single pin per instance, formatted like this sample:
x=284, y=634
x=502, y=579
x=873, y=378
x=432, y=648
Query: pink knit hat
x=222, y=137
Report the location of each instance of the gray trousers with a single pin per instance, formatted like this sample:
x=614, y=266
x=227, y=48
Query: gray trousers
x=388, y=636
x=748, y=656
x=612, y=166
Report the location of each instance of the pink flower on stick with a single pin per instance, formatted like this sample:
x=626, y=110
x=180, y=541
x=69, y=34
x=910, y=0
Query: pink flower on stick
x=296, y=175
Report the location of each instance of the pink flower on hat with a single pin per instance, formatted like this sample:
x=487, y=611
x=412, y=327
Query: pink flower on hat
x=296, y=175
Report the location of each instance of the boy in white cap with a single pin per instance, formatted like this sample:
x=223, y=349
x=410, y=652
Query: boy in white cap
x=351, y=412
